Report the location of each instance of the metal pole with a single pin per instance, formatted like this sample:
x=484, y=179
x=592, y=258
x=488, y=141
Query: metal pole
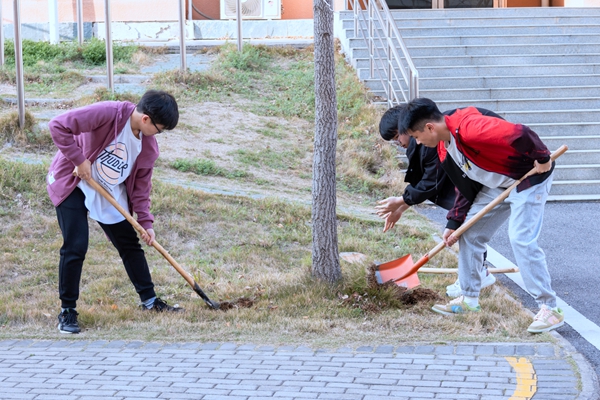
x=19, y=64
x=1, y=37
x=53, y=11
x=355, y=18
x=239, y=24
x=182, y=34
x=190, y=10
x=80, y=22
x=371, y=40
x=389, y=66
x=109, y=52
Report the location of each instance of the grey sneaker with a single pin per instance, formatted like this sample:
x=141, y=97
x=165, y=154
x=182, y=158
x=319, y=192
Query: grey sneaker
x=456, y=306
x=67, y=321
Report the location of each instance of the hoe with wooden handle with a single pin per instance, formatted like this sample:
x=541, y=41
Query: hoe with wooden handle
x=404, y=272
x=189, y=279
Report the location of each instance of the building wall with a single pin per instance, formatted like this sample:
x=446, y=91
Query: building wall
x=292, y=9
x=37, y=11
x=524, y=3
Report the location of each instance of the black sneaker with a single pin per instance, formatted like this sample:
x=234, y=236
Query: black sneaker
x=67, y=321
x=161, y=306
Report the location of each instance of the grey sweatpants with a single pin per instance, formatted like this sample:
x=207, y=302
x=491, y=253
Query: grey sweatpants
x=524, y=211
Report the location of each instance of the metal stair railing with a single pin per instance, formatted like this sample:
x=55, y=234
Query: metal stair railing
x=371, y=21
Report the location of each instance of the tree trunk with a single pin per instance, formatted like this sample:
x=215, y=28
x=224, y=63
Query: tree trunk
x=325, y=257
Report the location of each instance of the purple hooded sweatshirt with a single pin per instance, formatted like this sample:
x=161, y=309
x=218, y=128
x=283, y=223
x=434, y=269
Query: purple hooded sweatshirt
x=82, y=134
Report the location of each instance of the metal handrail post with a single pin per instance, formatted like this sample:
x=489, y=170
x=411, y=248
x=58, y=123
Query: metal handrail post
x=414, y=89
x=80, y=22
x=109, y=51
x=389, y=65
x=370, y=41
x=183, y=66
x=53, y=21
x=238, y=10
x=355, y=10
x=1, y=37
x=19, y=64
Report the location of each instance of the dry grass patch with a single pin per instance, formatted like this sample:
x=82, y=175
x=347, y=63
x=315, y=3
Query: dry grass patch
x=235, y=248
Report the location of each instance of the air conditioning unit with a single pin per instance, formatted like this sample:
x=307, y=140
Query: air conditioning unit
x=251, y=9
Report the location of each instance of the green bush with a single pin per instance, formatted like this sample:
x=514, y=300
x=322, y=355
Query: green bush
x=92, y=52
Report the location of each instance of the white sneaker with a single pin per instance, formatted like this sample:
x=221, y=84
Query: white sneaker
x=546, y=320
x=454, y=290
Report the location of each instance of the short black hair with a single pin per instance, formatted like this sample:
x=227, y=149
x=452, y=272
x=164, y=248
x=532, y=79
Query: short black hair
x=388, y=125
x=161, y=107
x=418, y=112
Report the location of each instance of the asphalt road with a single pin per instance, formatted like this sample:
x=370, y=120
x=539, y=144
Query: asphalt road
x=569, y=239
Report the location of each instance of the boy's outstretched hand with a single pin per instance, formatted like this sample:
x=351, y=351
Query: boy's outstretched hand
x=391, y=210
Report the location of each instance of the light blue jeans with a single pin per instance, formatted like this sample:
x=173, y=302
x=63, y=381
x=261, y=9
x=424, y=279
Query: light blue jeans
x=525, y=212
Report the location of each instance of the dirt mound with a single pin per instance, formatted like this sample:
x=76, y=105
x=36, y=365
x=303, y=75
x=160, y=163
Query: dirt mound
x=373, y=300
x=242, y=302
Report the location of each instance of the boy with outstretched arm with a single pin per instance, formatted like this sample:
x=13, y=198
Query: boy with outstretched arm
x=494, y=153
x=426, y=180
x=112, y=142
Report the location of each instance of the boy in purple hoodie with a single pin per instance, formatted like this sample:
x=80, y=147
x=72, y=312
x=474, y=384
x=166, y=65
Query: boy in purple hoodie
x=112, y=142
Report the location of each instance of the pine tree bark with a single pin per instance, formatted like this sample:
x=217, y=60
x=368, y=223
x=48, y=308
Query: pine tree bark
x=325, y=256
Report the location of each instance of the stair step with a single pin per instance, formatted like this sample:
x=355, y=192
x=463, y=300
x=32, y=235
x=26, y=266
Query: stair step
x=487, y=82
x=533, y=116
x=573, y=142
x=577, y=172
x=483, y=39
x=572, y=157
x=575, y=187
x=492, y=60
x=495, y=70
x=590, y=29
x=511, y=93
x=497, y=20
x=504, y=49
x=538, y=104
x=572, y=129
x=573, y=197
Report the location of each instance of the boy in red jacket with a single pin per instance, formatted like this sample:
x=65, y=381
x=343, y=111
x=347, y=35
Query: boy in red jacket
x=113, y=143
x=494, y=153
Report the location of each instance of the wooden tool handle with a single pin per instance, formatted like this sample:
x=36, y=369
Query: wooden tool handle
x=141, y=230
x=455, y=270
x=559, y=152
x=423, y=260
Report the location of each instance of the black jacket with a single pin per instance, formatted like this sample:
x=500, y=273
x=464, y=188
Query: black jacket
x=427, y=180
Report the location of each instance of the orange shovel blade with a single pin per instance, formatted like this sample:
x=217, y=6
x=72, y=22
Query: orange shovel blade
x=391, y=270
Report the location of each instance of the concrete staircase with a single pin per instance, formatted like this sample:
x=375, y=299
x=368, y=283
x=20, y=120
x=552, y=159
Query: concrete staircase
x=536, y=66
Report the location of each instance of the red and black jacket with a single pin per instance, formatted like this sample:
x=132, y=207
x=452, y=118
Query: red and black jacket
x=494, y=145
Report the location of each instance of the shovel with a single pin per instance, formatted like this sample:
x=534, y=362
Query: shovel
x=190, y=280
x=404, y=272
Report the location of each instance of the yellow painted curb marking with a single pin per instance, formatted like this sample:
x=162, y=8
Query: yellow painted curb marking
x=526, y=378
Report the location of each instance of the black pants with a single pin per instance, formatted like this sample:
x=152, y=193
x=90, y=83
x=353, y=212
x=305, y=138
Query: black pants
x=73, y=222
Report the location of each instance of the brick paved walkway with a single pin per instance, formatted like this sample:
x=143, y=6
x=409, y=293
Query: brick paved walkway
x=78, y=369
